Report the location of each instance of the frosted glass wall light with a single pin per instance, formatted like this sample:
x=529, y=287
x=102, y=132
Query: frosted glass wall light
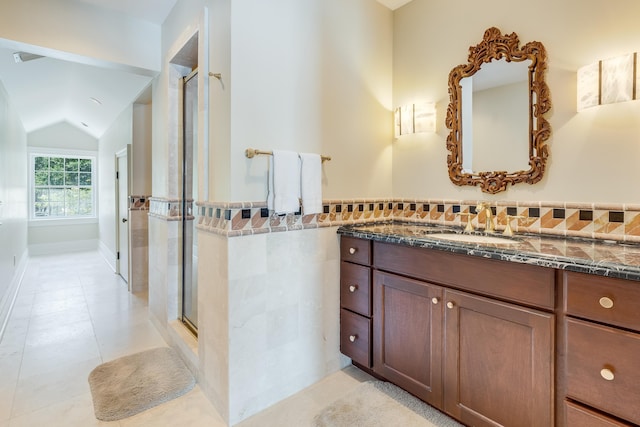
x=424, y=117
x=414, y=118
x=608, y=81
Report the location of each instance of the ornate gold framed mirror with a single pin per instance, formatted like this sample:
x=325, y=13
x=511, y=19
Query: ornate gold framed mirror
x=497, y=103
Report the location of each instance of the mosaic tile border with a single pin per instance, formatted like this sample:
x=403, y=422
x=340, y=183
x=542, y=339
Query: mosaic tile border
x=167, y=209
x=139, y=203
x=619, y=222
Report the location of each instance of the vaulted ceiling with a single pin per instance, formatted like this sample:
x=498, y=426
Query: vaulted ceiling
x=46, y=91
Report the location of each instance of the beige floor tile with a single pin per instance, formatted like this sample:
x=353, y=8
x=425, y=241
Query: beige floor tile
x=299, y=409
x=190, y=410
x=73, y=313
x=74, y=412
x=60, y=318
x=105, y=325
x=58, y=294
x=12, y=343
x=48, y=307
x=10, y=368
x=58, y=333
x=6, y=401
x=49, y=357
x=113, y=306
x=39, y=391
x=121, y=342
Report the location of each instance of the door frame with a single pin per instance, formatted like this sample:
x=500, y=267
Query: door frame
x=125, y=152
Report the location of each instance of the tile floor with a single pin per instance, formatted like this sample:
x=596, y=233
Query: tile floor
x=73, y=313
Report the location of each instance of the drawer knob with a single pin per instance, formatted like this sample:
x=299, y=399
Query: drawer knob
x=606, y=302
x=435, y=300
x=353, y=338
x=353, y=288
x=352, y=250
x=450, y=304
x=607, y=374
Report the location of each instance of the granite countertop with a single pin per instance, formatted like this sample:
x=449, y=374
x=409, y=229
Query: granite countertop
x=600, y=257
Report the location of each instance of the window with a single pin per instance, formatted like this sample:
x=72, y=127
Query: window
x=63, y=186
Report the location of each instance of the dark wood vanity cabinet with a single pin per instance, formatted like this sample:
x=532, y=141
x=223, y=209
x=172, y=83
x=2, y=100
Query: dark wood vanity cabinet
x=602, y=368
x=355, y=300
x=473, y=337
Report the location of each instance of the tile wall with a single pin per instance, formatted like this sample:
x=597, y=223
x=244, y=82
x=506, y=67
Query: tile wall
x=139, y=243
x=620, y=222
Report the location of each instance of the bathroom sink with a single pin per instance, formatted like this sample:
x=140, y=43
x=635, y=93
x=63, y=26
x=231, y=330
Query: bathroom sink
x=475, y=238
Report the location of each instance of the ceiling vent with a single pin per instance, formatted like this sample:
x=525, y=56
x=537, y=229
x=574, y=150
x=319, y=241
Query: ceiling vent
x=25, y=56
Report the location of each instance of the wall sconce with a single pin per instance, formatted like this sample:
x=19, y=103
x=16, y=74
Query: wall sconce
x=415, y=118
x=608, y=81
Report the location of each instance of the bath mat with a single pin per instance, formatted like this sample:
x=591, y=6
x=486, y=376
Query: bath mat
x=131, y=384
x=381, y=404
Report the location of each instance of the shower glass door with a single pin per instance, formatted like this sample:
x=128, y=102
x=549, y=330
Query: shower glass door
x=189, y=193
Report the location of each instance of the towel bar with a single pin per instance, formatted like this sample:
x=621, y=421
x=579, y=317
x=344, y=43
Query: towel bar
x=252, y=152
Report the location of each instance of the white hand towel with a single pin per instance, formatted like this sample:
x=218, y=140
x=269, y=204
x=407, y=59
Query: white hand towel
x=311, y=183
x=284, y=182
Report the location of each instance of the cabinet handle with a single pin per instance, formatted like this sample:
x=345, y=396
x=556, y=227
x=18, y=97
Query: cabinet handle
x=352, y=250
x=607, y=374
x=435, y=300
x=450, y=304
x=353, y=338
x=606, y=302
x=353, y=288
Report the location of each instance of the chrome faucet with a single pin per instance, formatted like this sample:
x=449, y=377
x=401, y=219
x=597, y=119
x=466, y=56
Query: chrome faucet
x=488, y=215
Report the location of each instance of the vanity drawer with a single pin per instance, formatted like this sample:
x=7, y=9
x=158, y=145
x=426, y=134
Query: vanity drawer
x=604, y=299
x=355, y=288
x=519, y=283
x=578, y=416
x=355, y=250
x=355, y=337
x=602, y=368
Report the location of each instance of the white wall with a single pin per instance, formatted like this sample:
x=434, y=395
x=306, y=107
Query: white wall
x=56, y=238
x=115, y=139
x=13, y=195
x=141, y=150
x=62, y=136
x=177, y=29
x=47, y=237
x=290, y=80
x=593, y=154
x=80, y=31
x=312, y=76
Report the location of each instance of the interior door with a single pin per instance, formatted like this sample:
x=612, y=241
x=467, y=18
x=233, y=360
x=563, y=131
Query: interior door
x=123, y=216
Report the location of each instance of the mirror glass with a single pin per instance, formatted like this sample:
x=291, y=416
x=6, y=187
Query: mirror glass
x=495, y=137
x=495, y=114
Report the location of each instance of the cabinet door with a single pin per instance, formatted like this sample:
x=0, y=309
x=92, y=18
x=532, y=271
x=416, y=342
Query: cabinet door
x=498, y=365
x=407, y=318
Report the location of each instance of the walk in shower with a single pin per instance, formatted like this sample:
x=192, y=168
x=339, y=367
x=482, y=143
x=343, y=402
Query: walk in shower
x=189, y=193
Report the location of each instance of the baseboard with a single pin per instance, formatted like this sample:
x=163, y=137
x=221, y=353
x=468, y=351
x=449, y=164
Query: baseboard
x=9, y=299
x=63, y=247
x=108, y=256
